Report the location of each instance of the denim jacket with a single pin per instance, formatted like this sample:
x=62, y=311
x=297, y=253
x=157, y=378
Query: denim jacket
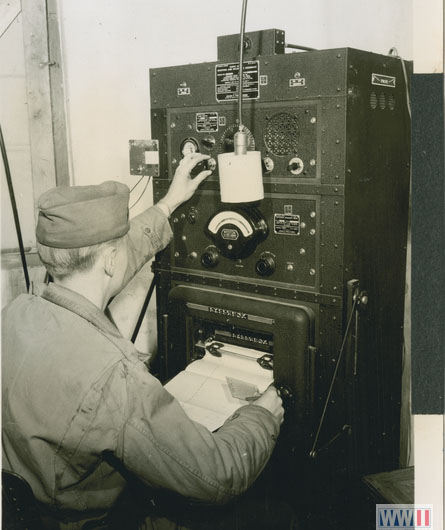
x=74, y=389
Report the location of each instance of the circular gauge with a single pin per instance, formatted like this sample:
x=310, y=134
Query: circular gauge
x=189, y=146
x=227, y=143
x=237, y=231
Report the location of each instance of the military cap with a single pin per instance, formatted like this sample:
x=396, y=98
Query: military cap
x=80, y=216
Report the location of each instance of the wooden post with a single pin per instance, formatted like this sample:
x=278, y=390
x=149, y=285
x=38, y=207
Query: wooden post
x=46, y=112
x=57, y=97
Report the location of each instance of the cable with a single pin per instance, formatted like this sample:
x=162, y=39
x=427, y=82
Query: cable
x=394, y=53
x=328, y=397
x=14, y=209
x=137, y=183
x=140, y=196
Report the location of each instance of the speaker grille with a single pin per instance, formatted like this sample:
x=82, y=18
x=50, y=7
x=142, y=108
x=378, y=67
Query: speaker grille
x=382, y=101
x=391, y=102
x=281, y=134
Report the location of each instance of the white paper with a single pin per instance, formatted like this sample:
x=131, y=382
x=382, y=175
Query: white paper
x=203, y=389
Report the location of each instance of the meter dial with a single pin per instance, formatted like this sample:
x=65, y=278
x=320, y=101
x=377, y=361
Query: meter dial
x=189, y=146
x=227, y=143
x=237, y=231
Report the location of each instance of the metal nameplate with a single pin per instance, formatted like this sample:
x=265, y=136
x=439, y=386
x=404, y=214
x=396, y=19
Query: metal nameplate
x=230, y=313
x=207, y=122
x=287, y=224
x=383, y=80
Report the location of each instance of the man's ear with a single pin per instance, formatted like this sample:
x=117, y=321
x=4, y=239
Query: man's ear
x=109, y=260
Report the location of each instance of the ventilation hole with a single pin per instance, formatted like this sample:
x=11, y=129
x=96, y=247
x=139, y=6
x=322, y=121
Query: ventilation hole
x=391, y=102
x=281, y=134
x=373, y=100
x=382, y=101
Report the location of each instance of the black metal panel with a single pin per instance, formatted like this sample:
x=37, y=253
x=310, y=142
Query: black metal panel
x=327, y=108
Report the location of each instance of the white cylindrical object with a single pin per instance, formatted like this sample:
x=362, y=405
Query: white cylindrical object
x=241, y=177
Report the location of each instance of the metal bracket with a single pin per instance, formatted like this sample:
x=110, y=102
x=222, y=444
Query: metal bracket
x=144, y=157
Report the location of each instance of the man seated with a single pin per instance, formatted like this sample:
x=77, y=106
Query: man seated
x=81, y=412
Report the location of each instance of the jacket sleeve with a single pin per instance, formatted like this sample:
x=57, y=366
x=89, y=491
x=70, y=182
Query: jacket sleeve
x=149, y=233
x=166, y=449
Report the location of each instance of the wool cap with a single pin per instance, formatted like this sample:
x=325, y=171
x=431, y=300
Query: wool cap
x=80, y=216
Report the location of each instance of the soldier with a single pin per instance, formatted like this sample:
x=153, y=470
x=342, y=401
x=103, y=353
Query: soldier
x=82, y=415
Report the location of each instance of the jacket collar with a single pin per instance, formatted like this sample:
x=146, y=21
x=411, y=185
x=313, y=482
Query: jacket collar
x=78, y=304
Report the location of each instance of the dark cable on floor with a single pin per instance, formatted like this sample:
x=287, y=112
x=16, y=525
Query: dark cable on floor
x=14, y=209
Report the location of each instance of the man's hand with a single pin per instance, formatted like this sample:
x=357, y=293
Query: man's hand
x=271, y=401
x=183, y=186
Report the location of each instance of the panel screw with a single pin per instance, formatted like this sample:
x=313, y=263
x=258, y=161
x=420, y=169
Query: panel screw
x=313, y=119
x=313, y=214
x=302, y=251
x=312, y=231
x=312, y=272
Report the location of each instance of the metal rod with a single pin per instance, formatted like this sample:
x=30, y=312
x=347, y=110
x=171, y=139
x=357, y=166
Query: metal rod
x=144, y=309
x=14, y=209
x=241, y=65
x=298, y=47
x=313, y=451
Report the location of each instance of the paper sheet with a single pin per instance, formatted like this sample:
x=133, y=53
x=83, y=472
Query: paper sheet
x=203, y=388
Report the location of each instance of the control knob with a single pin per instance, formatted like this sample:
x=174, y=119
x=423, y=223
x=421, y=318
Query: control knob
x=210, y=258
x=265, y=266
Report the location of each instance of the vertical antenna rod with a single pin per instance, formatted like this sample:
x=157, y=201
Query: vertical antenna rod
x=241, y=60
x=240, y=138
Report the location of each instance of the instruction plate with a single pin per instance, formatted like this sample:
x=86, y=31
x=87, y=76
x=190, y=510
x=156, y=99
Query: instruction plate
x=288, y=224
x=206, y=121
x=226, y=81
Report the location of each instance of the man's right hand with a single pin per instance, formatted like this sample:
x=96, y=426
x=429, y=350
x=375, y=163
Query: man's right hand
x=271, y=401
x=183, y=186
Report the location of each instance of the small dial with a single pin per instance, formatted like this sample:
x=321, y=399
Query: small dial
x=227, y=144
x=189, y=146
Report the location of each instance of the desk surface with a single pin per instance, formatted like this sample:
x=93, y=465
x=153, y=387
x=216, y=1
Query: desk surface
x=393, y=487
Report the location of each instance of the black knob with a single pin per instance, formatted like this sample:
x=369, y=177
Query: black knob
x=210, y=258
x=265, y=266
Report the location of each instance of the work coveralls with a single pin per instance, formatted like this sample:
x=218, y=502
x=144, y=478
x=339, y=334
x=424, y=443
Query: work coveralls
x=75, y=393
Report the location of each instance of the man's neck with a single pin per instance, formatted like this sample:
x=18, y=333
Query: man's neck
x=86, y=285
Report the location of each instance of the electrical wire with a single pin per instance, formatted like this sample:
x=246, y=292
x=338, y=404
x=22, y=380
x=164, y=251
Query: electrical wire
x=14, y=209
x=394, y=53
x=137, y=183
x=143, y=191
x=328, y=397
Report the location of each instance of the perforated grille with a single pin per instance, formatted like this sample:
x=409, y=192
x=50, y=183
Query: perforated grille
x=281, y=134
x=391, y=102
x=382, y=101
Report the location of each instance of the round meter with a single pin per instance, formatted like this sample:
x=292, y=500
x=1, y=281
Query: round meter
x=189, y=146
x=237, y=231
